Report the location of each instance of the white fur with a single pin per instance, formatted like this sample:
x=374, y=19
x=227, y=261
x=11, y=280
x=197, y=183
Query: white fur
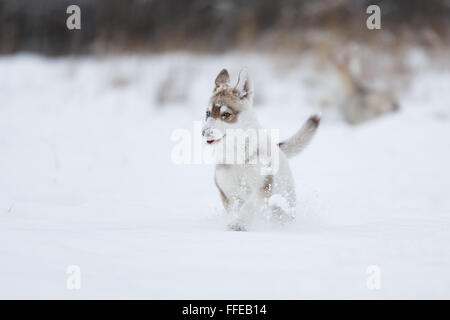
x=242, y=184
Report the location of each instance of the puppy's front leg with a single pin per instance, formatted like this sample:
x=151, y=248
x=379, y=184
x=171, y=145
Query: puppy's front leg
x=245, y=213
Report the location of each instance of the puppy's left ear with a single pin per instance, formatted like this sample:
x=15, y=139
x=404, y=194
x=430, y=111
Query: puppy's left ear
x=245, y=86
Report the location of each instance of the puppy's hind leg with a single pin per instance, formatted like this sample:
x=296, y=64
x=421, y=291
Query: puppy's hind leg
x=282, y=207
x=281, y=214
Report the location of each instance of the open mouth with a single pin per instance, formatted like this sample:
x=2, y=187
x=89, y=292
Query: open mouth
x=214, y=141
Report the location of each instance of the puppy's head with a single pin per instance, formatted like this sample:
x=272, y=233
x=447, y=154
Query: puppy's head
x=227, y=106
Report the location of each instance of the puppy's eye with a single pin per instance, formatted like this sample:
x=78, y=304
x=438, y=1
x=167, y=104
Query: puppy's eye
x=208, y=114
x=226, y=115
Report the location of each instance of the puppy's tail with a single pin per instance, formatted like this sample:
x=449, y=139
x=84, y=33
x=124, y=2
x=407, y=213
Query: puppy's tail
x=301, y=138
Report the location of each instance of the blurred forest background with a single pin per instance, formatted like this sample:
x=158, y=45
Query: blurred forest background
x=217, y=25
x=360, y=71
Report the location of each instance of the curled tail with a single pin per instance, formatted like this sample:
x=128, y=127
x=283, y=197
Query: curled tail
x=301, y=138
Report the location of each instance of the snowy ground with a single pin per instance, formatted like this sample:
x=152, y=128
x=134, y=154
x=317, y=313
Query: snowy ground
x=86, y=179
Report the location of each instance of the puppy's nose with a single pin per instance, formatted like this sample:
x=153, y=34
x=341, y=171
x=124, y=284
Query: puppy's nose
x=207, y=131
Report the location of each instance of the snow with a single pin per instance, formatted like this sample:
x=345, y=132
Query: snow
x=87, y=179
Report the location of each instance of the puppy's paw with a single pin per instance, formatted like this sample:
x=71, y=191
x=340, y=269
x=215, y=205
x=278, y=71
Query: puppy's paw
x=280, y=215
x=237, y=226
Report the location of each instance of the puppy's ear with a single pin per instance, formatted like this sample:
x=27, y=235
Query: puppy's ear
x=245, y=85
x=223, y=79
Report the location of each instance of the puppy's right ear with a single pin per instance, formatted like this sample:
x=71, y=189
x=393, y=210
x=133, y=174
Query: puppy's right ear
x=223, y=79
x=245, y=86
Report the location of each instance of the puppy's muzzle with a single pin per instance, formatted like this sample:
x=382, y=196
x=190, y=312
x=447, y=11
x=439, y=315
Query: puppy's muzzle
x=211, y=134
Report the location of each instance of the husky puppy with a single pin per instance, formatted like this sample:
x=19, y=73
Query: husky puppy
x=261, y=182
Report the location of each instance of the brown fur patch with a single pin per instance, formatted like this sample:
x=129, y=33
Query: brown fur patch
x=222, y=78
x=215, y=112
x=315, y=120
x=267, y=187
x=224, y=198
x=227, y=97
